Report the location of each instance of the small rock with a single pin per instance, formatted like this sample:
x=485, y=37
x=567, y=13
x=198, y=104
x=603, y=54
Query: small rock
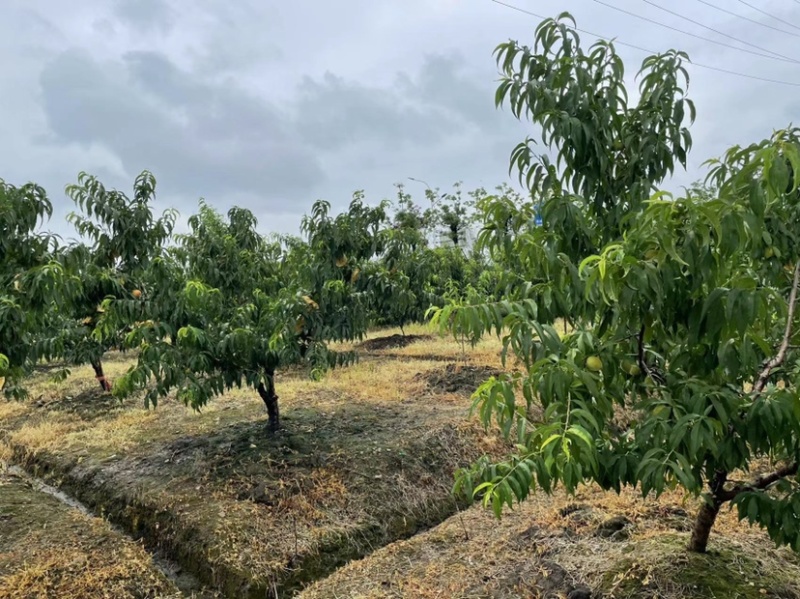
x=571, y=509
x=261, y=494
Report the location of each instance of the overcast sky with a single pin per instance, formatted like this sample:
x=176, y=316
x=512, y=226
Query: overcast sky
x=272, y=105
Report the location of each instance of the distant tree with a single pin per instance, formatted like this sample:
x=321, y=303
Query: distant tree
x=451, y=214
x=123, y=239
x=410, y=217
x=399, y=278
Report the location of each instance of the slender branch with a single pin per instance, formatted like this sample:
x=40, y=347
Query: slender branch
x=653, y=374
x=759, y=484
x=780, y=356
x=765, y=481
x=762, y=482
x=640, y=341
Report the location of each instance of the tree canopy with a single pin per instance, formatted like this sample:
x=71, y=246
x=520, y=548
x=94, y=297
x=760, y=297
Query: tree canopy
x=680, y=366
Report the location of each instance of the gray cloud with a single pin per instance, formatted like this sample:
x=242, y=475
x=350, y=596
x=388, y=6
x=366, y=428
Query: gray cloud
x=241, y=40
x=271, y=105
x=333, y=112
x=146, y=15
x=204, y=138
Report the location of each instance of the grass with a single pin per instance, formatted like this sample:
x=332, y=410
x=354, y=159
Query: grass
x=430, y=345
x=363, y=467
x=50, y=550
x=550, y=546
x=366, y=457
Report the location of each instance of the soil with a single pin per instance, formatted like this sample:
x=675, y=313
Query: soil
x=458, y=378
x=89, y=404
x=350, y=475
x=550, y=548
x=395, y=341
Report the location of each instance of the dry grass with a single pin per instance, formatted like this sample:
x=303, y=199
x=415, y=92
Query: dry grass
x=50, y=550
x=550, y=546
x=431, y=345
x=366, y=457
x=44, y=434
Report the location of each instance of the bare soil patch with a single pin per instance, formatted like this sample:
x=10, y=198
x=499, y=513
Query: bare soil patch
x=395, y=341
x=463, y=379
x=88, y=404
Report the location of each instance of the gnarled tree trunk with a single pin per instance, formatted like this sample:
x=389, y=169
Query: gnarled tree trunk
x=702, y=526
x=270, y=398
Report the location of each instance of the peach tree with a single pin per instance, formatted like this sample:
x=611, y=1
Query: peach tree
x=399, y=279
x=32, y=281
x=228, y=308
x=120, y=238
x=681, y=364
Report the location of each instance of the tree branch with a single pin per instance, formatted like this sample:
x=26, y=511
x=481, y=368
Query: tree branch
x=759, y=484
x=780, y=356
x=762, y=482
x=653, y=374
x=765, y=481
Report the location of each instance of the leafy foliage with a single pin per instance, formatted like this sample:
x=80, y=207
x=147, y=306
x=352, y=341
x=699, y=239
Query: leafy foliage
x=681, y=367
x=31, y=280
x=410, y=276
x=124, y=238
x=228, y=308
x=400, y=278
x=452, y=214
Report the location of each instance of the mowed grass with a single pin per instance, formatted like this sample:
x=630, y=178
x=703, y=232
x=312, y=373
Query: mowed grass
x=48, y=549
x=365, y=460
x=593, y=544
x=365, y=457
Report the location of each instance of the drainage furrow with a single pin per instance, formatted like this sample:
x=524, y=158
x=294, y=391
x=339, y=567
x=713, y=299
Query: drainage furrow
x=188, y=584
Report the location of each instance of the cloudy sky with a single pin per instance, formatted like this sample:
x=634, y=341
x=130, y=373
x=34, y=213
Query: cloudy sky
x=272, y=105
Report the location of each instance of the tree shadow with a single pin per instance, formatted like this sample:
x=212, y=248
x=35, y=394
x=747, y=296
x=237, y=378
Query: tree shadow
x=89, y=405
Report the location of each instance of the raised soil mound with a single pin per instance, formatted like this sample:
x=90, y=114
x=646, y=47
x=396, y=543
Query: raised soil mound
x=48, y=549
x=458, y=378
x=391, y=342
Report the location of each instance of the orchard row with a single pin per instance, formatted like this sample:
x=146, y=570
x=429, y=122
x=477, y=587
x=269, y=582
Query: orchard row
x=222, y=305
x=680, y=365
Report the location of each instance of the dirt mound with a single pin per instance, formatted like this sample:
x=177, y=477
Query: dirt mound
x=458, y=378
x=391, y=342
x=89, y=404
x=255, y=514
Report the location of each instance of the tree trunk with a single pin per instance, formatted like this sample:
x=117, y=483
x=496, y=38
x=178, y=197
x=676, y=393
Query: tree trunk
x=702, y=526
x=267, y=394
x=305, y=339
x=708, y=513
x=101, y=378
